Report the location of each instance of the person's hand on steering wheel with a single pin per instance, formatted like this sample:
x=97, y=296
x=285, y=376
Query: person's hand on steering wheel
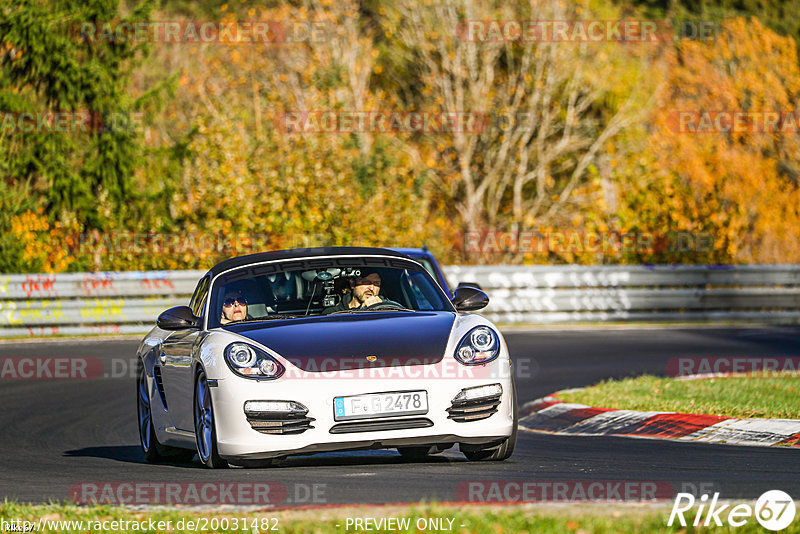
x=371, y=301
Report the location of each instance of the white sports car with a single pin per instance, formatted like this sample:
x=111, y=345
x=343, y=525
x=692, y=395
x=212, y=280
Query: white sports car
x=325, y=349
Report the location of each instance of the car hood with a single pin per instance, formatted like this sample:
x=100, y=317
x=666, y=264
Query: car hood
x=354, y=341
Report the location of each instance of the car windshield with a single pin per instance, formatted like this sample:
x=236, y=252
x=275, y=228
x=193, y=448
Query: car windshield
x=293, y=289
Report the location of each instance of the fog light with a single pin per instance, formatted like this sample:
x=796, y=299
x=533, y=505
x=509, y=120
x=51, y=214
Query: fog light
x=252, y=407
x=480, y=392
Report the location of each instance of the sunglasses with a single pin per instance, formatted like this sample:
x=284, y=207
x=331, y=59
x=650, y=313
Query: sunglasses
x=241, y=301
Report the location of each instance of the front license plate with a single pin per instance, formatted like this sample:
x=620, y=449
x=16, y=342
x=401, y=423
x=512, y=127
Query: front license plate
x=380, y=405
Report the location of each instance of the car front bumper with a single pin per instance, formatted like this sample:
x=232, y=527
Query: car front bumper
x=237, y=439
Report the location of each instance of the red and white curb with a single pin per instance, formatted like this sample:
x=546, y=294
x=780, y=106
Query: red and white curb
x=551, y=414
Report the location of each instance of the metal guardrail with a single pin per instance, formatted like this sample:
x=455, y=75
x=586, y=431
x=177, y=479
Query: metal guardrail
x=90, y=303
x=548, y=294
x=129, y=302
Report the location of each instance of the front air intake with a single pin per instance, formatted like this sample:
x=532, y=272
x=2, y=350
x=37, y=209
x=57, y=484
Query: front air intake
x=160, y=385
x=474, y=404
x=372, y=426
x=277, y=417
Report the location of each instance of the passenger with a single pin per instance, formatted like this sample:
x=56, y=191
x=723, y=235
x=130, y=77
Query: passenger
x=234, y=308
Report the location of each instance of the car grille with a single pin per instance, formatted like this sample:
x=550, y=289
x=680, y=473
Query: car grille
x=473, y=410
x=370, y=426
x=280, y=422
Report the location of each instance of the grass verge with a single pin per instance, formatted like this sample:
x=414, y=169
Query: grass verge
x=760, y=395
x=539, y=518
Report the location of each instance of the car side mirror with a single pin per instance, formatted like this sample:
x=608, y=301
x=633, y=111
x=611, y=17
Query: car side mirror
x=469, y=299
x=470, y=284
x=178, y=318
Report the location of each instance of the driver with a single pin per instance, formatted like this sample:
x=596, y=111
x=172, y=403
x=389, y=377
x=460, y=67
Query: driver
x=364, y=292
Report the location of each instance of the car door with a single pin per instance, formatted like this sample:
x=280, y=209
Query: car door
x=175, y=360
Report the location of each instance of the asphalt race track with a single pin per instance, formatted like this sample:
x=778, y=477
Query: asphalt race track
x=59, y=433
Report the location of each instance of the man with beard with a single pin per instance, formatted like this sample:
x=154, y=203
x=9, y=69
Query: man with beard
x=364, y=292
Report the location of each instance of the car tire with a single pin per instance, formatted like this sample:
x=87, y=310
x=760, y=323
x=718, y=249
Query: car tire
x=205, y=431
x=496, y=452
x=154, y=451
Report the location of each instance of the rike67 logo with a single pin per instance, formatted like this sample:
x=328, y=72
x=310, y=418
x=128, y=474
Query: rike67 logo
x=774, y=510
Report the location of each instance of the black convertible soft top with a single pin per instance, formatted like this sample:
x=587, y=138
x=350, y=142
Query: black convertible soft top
x=301, y=253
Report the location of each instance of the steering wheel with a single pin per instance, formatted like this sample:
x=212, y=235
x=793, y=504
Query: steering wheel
x=386, y=306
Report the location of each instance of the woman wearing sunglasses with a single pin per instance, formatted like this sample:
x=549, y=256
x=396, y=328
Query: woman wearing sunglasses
x=234, y=308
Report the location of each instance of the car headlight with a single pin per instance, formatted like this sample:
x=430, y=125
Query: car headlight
x=480, y=345
x=250, y=362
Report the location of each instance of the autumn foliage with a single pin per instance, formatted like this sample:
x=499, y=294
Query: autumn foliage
x=581, y=139
x=740, y=186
